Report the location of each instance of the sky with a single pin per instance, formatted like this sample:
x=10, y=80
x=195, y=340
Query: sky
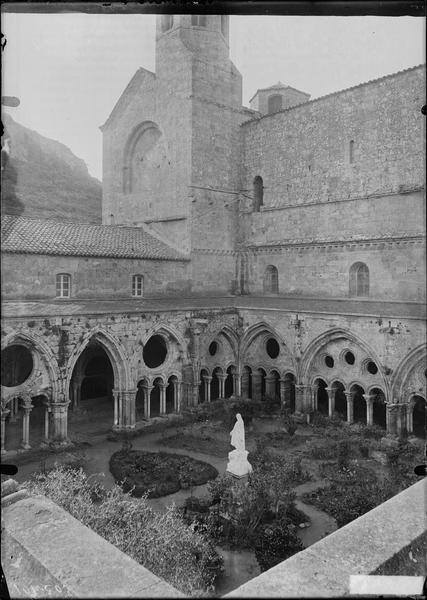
x=68, y=70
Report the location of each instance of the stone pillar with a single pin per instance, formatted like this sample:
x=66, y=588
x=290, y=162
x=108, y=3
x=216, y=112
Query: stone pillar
x=162, y=387
x=402, y=429
x=4, y=413
x=392, y=413
x=26, y=427
x=270, y=386
x=116, y=408
x=237, y=383
x=314, y=398
x=147, y=405
x=244, y=384
x=14, y=408
x=176, y=396
x=256, y=385
x=221, y=379
x=46, y=423
x=350, y=406
x=282, y=383
x=410, y=417
x=207, y=383
x=129, y=405
x=302, y=398
x=369, y=409
x=331, y=400
x=59, y=422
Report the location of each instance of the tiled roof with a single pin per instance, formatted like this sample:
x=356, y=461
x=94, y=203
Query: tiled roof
x=42, y=236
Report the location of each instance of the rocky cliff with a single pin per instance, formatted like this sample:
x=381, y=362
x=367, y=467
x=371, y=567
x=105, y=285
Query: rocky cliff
x=43, y=178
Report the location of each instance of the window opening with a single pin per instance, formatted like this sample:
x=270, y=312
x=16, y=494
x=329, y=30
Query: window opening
x=271, y=279
x=359, y=280
x=137, y=285
x=63, y=285
x=258, y=193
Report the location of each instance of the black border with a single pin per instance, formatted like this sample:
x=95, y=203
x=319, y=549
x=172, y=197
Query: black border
x=416, y=8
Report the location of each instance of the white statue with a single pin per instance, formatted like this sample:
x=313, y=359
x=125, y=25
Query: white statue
x=238, y=464
x=238, y=433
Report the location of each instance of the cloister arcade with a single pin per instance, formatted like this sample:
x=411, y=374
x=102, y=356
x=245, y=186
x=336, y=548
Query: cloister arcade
x=336, y=373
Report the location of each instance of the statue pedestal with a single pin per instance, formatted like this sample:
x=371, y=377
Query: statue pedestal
x=238, y=464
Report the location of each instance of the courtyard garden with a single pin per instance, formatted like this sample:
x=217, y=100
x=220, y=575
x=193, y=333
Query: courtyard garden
x=307, y=480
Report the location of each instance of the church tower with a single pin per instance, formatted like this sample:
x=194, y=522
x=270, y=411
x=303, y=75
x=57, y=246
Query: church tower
x=171, y=144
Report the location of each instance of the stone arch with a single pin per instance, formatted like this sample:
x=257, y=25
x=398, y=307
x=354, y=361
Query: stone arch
x=271, y=280
x=379, y=406
x=316, y=346
x=321, y=399
x=409, y=376
x=228, y=345
x=113, y=349
x=176, y=349
x=416, y=418
x=146, y=128
x=340, y=400
x=45, y=358
x=359, y=402
x=263, y=331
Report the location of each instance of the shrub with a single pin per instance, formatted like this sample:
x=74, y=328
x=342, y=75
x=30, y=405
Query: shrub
x=158, y=473
x=343, y=453
x=270, y=405
x=160, y=542
x=352, y=493
x=276, y=543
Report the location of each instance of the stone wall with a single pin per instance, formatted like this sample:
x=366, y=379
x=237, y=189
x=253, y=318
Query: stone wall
x=28, y=276
x=47, y=553
x=303, y=153
x=396, y=268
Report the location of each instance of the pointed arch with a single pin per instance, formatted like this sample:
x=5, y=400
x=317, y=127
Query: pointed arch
x=414, y=361
x=115, y=352
x=331, y=335
x=263, y=329
x=44, y=355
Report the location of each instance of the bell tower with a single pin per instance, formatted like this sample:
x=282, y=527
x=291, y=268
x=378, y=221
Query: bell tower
x=172, y=143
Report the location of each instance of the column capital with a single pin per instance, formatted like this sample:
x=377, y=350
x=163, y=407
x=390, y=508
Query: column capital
x=207, y=378
x=368, y=397
x=4, y=413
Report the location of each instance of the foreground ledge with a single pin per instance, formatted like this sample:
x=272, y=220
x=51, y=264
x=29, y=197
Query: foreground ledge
x=47, y=553
x=359, y=548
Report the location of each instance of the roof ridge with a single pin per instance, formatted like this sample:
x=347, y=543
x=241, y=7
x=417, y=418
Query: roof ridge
x=353, y=87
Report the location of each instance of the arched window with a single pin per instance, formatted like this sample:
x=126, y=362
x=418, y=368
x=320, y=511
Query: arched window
x=359, y=279
x=137, y=285
x=198, y=20
x=275, y=103
x=351, y=152
x=63, y=285
x=143, y=143
x=258, y=193
x=271, y=279
x=167, y=22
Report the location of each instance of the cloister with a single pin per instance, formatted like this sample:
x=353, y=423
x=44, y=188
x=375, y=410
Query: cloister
x=336, y=373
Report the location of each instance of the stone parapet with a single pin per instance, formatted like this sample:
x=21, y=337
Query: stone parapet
x=48, y=553
x=359, y=548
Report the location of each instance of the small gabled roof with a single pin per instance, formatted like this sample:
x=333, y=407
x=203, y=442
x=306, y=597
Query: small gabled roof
x=45, y=236
x=278, y=86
